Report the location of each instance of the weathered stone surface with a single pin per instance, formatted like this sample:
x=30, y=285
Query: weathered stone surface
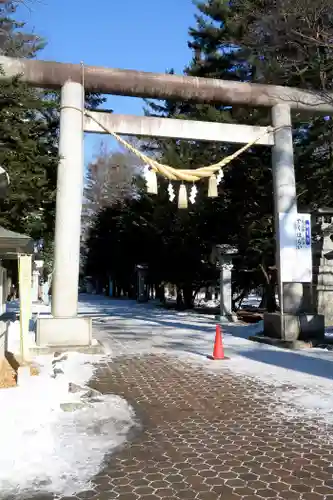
x=323, y=268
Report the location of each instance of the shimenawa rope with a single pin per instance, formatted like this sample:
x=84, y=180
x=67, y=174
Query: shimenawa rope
x=171, y=173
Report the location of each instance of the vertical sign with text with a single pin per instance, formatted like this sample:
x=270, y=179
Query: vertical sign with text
x=295, y=247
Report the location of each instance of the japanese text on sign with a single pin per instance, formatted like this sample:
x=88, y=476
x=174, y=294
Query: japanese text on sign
x=303, y=233
x=295, y=247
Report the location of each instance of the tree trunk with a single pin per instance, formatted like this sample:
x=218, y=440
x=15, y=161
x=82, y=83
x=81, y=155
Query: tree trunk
x=179, y=300
x=239, y=299
x=116, y=290
x=160, y=292
x=188, y=297
x=268, y=300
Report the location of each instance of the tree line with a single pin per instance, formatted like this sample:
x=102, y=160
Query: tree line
x=285, y=42
x=258, y=41
x=29, y=133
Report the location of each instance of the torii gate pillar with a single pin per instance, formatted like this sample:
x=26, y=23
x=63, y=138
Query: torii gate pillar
x=65, y=327
x=297, y=320
x=285, y=197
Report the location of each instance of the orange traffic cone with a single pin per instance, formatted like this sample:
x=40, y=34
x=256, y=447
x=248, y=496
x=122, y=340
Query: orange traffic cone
x=218, y=352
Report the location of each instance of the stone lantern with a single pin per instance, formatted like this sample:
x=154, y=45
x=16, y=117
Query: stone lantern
x=225, y=255
x=142, y=289
x=322, y=224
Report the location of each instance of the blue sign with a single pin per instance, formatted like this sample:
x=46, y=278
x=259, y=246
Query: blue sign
x=303, y=232
x=307, y=233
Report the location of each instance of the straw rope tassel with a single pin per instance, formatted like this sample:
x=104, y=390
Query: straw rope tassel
x=151, y=181
x=182, y=197
x=212, y=187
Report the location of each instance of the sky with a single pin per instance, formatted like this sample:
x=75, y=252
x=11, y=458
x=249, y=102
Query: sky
x=147, y=35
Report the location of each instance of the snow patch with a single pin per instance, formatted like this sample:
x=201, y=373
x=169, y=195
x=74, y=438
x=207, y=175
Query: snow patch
x=298, y=384
x=13, y=338
x=53, y=440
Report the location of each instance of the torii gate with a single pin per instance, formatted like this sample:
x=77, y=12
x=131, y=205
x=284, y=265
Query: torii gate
x=65, y=327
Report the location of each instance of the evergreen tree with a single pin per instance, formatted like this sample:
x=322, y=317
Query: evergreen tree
x=28, y=146
x=29, y=132
x=227, y=219
x=259, y=41
x=254, y=41
x=14, y=41
x=281, y=43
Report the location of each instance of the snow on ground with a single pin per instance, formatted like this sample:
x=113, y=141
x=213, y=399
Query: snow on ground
x=63, y=450
x=300, y=382
x=329, y=332
x=252, y=300
x=53, y=440
x=208, y=304
x=13, y=338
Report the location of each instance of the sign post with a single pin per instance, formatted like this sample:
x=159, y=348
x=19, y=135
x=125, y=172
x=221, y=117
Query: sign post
x=24, y=262
x=295, y=248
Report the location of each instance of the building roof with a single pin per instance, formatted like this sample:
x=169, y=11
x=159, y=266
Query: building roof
x=12, y=244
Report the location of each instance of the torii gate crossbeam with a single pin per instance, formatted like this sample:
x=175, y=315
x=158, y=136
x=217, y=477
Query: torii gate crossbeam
x=53, y=75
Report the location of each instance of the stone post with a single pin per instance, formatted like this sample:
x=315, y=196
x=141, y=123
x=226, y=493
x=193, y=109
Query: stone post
x=323, y=264
x=35, y=285
x=2, y=287
x=69, y=202
x=4, y=290
x=65, y=328
x=296, y=321
x=142, y=292
x=225, y=254
x=285, y=198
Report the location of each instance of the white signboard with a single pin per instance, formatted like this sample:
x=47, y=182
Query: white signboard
x=295, y=247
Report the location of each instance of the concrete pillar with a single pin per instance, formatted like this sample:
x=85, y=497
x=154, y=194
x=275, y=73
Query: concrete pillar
x=284, y=191
x=4, y=290
x=35, y=286
x=225, y=289
x=2, y=302
x=69, y=202
x=142, y=289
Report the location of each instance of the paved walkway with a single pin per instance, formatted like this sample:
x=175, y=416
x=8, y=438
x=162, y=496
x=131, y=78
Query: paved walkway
x=207, y=437
x=204, y=435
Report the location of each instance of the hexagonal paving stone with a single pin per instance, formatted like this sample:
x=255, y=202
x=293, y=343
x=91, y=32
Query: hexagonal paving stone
x=266, y=493
x=205, y=437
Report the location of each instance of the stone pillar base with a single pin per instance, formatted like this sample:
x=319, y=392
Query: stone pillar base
x=62, y=332
x=325, y=303
x=293, y=327
x=232, y=318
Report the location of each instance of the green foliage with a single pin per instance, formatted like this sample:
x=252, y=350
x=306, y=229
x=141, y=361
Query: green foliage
x=28, y=140
x=14, y=40
x=284, y=42
x=148, y=230
x=29, y=134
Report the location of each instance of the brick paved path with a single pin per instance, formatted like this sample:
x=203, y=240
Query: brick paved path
x=207, y=437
